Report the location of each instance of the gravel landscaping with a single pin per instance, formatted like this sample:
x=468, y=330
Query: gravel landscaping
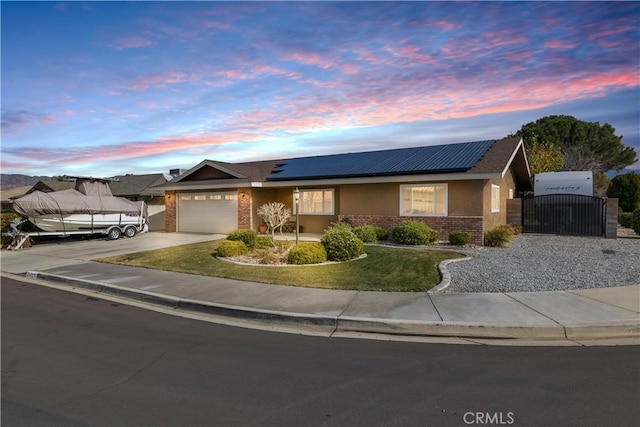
x=548, y=263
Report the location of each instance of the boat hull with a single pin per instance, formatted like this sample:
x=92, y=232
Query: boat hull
x=84, y=222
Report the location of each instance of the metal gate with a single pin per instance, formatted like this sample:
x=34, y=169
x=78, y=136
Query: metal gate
x=570, y=214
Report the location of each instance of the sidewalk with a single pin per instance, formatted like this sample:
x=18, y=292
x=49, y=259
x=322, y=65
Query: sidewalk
x=606, y=313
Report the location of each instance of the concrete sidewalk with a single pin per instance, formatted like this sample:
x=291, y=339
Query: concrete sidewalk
x=607, y=313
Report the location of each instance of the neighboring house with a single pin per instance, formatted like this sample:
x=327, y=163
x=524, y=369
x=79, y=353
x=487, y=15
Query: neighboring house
x=450, y=187
x=7, y=196
x=132, y=187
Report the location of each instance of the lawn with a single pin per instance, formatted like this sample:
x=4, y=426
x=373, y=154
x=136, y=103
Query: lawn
x=384, y=268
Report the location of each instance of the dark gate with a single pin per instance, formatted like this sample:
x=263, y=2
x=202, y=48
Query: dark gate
x=571, y=214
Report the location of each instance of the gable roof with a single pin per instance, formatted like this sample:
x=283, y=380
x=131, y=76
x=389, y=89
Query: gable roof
x=470, y=160
x=121, y=186
x=400, y=161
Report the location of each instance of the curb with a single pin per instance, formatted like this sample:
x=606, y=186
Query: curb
x=346, y=324
x=446, y=276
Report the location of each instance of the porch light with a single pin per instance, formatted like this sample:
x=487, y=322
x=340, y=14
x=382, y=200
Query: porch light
x=296, y=198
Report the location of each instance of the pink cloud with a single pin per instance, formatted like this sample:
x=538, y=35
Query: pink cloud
x=159, y=80
x=134, y=42
x=309, y=59
x=559, y=44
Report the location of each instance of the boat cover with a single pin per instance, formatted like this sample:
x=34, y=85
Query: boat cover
x=93, y=198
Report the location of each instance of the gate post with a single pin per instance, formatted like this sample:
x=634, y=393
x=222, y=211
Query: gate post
x=514, y=211
x=611, y=221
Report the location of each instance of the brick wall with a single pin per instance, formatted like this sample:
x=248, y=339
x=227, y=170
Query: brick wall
x=444, y=225
x=245, y=218
x=170, y=211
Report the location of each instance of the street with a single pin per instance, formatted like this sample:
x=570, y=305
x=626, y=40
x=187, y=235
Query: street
x=69, y=359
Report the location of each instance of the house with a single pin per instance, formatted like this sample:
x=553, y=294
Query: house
x=133, y=187
x=7, y=196
x=450, y=187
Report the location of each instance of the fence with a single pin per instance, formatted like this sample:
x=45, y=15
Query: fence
x=564, y=214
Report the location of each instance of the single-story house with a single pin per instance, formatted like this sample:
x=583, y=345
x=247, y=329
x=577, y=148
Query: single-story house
x=133, y=187
x=450, y=187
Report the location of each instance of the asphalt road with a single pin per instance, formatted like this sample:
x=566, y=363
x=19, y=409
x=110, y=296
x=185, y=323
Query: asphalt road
x=69, y=359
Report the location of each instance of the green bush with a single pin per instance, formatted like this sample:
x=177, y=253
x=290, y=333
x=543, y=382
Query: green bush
x=625, y=219
x=459, y=238
x=307, y=253
x=341, y=243
x=499, y=236
x=229, y=248
x=263, y=242
x=248, y=237
x=635, y=224
x=381, y=233
x=412, y=232
x=366, y=233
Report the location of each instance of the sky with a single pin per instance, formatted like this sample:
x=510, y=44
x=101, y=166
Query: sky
x=109, y=88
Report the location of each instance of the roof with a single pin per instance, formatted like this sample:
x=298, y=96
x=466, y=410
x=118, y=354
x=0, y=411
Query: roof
x=401, y=161
x=469, y=160
x=13, y=193
x=121, y=186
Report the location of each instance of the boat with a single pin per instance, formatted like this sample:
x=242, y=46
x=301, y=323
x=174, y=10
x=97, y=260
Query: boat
x=78, y=222
x=90, y=208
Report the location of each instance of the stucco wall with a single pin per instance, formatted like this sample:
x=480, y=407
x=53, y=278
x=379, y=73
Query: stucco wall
x=493, y=219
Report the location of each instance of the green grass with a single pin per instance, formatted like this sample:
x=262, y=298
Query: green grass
x=384, y=268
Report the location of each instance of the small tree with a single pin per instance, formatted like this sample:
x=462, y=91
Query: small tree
x=275, y=215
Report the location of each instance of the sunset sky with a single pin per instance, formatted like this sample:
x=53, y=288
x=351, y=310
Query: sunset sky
x=109, y=88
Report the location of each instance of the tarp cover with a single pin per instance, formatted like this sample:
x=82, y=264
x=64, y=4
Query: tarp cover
x=67, y=202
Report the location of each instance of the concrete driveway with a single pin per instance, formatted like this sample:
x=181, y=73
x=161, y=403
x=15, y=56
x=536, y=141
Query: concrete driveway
x=59, y=252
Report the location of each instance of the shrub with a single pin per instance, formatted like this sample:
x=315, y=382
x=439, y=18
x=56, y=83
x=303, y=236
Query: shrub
x=229, y=248
x=381, y=233
x=635, y=223
x=366, y=233
x=412, y=232
x=248, y=237
x=499, y=236
x=625, y=219
x=307, y=253
x=459, y=238
x=263, y=242
x=341, y=243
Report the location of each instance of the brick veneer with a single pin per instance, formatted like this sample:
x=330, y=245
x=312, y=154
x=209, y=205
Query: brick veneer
x=244, y=208
x=444, y=225
x=170, y=211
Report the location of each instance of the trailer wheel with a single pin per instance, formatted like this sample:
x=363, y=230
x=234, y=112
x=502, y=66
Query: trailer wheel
x=114, y=233
x=130, y=231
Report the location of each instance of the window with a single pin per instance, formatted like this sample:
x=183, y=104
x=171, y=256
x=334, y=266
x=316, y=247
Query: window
x=495, y=198
x=199, y=197
x=215, y=197
x=316, y=202
x=230, y=196
x=424, y=200
x=184, y=197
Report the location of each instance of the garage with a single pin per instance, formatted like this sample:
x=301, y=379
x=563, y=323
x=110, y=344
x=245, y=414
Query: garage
x=210, y=212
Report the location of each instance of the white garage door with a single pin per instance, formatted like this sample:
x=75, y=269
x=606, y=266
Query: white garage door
x=215, y=212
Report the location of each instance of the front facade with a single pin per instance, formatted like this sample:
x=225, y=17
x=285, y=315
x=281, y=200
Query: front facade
x=449, y=187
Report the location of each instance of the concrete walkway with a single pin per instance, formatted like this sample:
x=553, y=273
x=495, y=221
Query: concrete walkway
x=569, y=317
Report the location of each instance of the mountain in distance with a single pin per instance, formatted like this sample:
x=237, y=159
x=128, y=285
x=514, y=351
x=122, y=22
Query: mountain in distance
x=13, y=180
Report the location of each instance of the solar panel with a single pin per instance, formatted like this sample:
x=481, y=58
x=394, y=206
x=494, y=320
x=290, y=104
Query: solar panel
x=401, y=161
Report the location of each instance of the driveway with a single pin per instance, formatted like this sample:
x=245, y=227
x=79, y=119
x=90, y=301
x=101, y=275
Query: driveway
x=59, y=252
